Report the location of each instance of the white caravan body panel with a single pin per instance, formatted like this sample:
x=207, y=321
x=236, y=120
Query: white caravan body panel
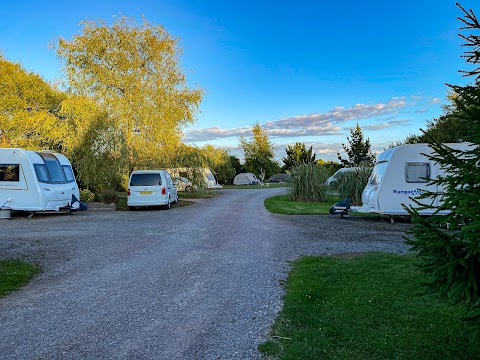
x=399, y=174
x=35, y=180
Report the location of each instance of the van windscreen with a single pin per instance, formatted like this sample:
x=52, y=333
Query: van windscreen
x=145, y=180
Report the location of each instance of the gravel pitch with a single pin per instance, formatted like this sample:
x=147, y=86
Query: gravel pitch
x=197, y=282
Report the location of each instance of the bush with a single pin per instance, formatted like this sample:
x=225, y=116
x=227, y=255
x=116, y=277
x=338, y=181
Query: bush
x=109, y=196
x=307, y=183
x=86, y=195
x=353, y=183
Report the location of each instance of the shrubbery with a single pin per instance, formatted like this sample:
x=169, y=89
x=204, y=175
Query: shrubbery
x=108, y=196
x=86, y=195
x=307, y=183
x=353, y=183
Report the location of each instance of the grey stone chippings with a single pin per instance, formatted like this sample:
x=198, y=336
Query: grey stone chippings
x=196, y=282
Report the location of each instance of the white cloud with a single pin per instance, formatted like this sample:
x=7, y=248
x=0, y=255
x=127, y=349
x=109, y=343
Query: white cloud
x=385, y=125
x=215, y=133
x=318, y=124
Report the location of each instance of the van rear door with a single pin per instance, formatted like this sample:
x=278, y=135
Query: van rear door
x=145, y=189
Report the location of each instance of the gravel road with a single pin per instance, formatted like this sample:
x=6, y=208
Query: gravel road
x=196, y=282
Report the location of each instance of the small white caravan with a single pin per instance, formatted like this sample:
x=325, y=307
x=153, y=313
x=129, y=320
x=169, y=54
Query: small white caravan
x=334, y=177
x=246, y=179
x=151, y=188
x=201, y=177
x=400, y=173
x=36, y=180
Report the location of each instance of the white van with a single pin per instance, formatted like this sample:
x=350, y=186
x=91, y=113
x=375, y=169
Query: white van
x=36, y=181
x=400, y=173
x=151, y=188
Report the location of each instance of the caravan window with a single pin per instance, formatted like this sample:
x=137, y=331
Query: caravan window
x=9, y=172
x=42, y=173
x=68, y=173
x=378, y=173
x=57, y=176
x=417, y=172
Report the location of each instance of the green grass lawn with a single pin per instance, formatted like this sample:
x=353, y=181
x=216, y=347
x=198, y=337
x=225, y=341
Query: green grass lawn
x=14, y=274
x=365, y=307
x=282, y=205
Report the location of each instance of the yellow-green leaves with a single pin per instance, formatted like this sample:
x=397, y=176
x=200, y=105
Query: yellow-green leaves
x=134, y=72
x=28, y=107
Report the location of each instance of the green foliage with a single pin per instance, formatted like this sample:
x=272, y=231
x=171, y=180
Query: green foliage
x=259, y=153
x=297, y=154
x=235, y=162
x=108, y=196
x=448, y=246
x=352, y=183
x=14, y=274
x=307, y=183
x=329, y=167
x=86, y=195
x=364, y=307
x=357, y=150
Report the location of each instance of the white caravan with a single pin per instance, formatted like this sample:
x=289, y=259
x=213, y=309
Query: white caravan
x=36, y=181
x=246, y=179
x=334, y=177
x=400, y=173
x=201, y=177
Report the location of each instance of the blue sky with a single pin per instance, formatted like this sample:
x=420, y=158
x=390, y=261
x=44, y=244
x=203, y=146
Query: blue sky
x=307, y=71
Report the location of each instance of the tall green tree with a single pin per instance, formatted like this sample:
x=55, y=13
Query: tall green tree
x=259, y=153
x=449, y=246
x=297, y=154
x=358, y=149
x=134, y=72
x=235, y=161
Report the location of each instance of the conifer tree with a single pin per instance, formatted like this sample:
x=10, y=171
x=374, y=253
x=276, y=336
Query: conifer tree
x=358, y=150
x=297, y=154
x=449, y=246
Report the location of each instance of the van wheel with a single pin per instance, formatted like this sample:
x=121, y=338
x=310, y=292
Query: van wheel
x=132, y=208
x=168, y=206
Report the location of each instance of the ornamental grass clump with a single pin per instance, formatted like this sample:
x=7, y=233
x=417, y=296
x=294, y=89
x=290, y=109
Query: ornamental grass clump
x=352, y=183
x=307, y=183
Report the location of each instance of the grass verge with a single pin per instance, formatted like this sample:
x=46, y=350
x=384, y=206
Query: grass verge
x=364, y=307
x=282, y=205
x=14, y=274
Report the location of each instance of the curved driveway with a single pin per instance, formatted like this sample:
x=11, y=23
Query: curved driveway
x=197, y=282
